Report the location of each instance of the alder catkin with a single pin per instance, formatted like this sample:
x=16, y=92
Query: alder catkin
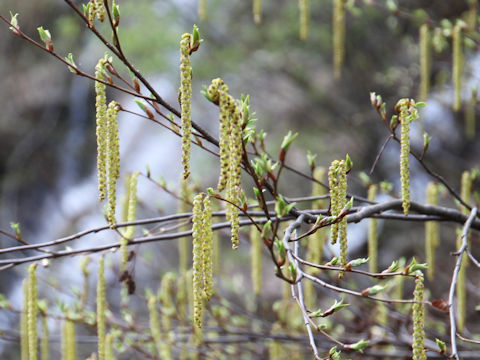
x=24, y=322
x=101, y=128
x=69, y=348
x=113, y=159
x=207, y=247
x=198, y=269
x=432, y=238
x=101, y=308
x=185, y=100
x=304, y=14
x=418, y=346
x=337, y=179
x=316, y=242
x=406, y=114
x=257, y=11
x=131, y=215
x=44, y=344
x=425, y=53
x=32, y=311
x=155, y=329
x=256, y=260
x=457, y=65
x=372, y=234
x=338, y=37
x=202, y=9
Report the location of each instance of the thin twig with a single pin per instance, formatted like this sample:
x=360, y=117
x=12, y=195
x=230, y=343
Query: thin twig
x=453, y=284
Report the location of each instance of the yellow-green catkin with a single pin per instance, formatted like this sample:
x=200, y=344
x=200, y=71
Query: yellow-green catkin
x=183, y=243
x=461, y=292
x=96, y=10
x=432, y=235
x=207, y=247
x=470, y=115
x=185, y=100
x=198, y=269
x=101, y=308
x=406, y=114
x=131, y=215
x=337, y=179
x=256, y=260
x=425, y=54
x=202, y=9
x=372, y=234
x=109, y=352
x=257, y=11
x=418, y=346
x=303, y=8
x=32, y=311
x=155, y=324
x=231, y=151
x=86, y=274
x=101, y=128
x=69, y=347
x=457, y=65
x=316, y=242
x=471, y=17
x=44, y=344
x=24, y=322
x=113, y=159
x=276, y=349
x=338, y=37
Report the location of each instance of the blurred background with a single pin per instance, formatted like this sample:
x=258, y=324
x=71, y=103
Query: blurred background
x=47, y=122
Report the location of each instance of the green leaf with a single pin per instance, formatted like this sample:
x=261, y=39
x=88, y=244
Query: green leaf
x=287, y=140
x=374, y=290
x=441, y=346
x=420, y=104
x=348, y=163
x=14, y=22
x=69, y=59
x=44, y=35
x=357, y=262
x=359, y=345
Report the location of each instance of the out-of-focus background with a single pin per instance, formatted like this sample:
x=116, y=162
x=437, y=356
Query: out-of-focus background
x=47, y=135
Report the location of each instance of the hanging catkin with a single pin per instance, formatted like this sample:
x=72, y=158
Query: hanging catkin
x=457, y=65
x=304, y=15
x=257, y=11
x=425, y=55
x=372, y=234
x=32, y=311
x=418, y=321
x=338, y=37
x=432, y=238
x=101, y=308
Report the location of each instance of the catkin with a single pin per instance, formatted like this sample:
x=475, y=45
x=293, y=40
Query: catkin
x=304, y=14
x=113, y=159
x=69, y=348
x=338, y=37
x=337, y=179
x=406, y=114
x=425, y=53
x=44, y=344
x=257, y=11
x=207, y=248
x=101, y=308
x=372, y=234
x=418, y=346
x=202, y=9
x=131, y=215
x=256, y=260
x=101, y=129
x=32, y=310
x=109, y=352
x=457, y=65
x=155, y=329
x=197, y=233
x=316, y=242
x=432, y=238
x=24, y=322
x=185, y=100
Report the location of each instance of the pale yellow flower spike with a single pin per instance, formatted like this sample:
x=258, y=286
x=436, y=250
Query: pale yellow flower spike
x=185, y=100
x=457, y=65
x=198, y=269
x=24, y=322
x=202, y=9
x=256, y=260
x=113, y=159
x=338, y=37
x=432, y=236
x=304, y=14
x=32, y=311
x=101, y=130
x=69, y=348
x=419, y=321
x=425, y=54
x=257, y=11
x=101, y=308
x=372, y=234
